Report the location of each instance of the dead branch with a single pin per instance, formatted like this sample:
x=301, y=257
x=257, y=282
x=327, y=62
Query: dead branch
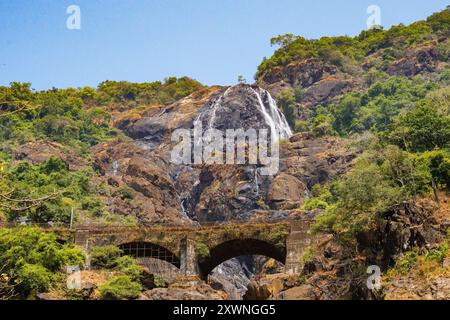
x=7, y=289
x=27, y=203
x=22, y=106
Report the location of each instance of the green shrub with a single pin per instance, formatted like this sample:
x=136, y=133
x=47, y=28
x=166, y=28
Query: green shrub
x=314, y=203
x=278, y=237
x=408, y=260
x=125, y=193
x=438, y=254
x=34, y=259
x=159, y=281
x=128, y=266
x=202, y=251
x=105, y=256
x=32, y=279
x=308, y=254
x=120, y=288
x=421, y=129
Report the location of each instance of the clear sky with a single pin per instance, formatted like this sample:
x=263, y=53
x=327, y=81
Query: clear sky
x=212, y=41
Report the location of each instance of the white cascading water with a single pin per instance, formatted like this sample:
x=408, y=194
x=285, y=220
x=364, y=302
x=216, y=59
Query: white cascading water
x=285, y=131
x=279, y=127
x=274, y=119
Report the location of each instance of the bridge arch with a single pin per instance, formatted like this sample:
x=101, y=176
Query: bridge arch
x=240, y=247
x=142, y=249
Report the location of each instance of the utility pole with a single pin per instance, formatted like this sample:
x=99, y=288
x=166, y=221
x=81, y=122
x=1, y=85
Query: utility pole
x=71, y=218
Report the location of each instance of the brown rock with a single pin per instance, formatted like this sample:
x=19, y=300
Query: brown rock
x=286, y=192
x=265, y=288
x=41, y=151
x=303, y=292
x=201, y=291
x=416, y=60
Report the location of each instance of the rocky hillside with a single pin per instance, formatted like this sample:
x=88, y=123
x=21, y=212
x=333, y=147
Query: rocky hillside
x=366, y=155
x=307, y=75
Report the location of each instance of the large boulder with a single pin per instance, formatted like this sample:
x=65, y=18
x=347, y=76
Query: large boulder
x=286, y=192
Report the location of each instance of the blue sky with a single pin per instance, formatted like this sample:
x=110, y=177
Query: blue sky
x=212, y=41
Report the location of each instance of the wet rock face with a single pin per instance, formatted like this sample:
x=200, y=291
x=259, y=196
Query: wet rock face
x=198, y=192
x=233, y=276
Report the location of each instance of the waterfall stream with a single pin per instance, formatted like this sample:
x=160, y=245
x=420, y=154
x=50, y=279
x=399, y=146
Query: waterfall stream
x=266, y=105
x=279, y=127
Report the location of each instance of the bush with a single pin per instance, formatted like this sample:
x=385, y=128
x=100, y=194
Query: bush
x=286, y=101
x=202, y=251
x=120, y=288
x=421, y=129
x=34, y=258
x=438, y=254
x=361, y=194
x=408, y=260
x=129, y=267
x=314, y=203
x=159, y=281
x=125, y=193
x=105, y=256
x=308, y=254
x=33, y=278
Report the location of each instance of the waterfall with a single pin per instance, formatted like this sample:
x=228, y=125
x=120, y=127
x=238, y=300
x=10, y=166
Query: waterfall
x=266, y=105
x=279, y=127
x=256, y=181
x=285, y=130
x=115, y=166
x=213, y=110
x=183, y=210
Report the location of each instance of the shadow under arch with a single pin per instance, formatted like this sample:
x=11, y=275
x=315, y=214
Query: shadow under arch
x=150, y=250
x=239, y=247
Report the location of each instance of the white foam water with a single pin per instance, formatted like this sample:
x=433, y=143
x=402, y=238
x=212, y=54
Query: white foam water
x=267, y=106
x=276, y=121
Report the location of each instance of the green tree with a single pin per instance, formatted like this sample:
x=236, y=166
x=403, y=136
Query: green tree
x=421, y=129
x=286, y=101
x=33, y=259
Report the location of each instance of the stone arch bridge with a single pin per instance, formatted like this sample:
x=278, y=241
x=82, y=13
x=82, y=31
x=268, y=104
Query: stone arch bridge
x=198, y=250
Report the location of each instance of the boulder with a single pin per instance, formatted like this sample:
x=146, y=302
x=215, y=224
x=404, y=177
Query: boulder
x=286, y=192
